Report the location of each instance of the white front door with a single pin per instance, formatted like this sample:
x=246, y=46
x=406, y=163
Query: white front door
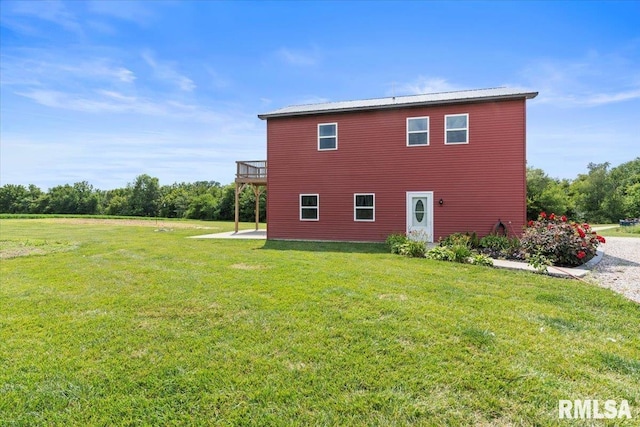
x=420, y=215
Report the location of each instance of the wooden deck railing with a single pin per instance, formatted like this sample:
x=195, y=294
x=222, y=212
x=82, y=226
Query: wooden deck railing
x=251, y=171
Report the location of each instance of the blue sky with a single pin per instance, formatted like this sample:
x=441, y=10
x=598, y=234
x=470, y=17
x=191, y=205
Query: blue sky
x=104, y=91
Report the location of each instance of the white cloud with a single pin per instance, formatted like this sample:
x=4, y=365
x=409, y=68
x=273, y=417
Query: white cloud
x=135, y=12
x=422, y=85
x=311, y=100
x=104, y=89
x=125, y=75
x=46, y=68
x=592, y=81
x=216, y=80
x=25, y=16
x=99, y=68
x=297, y=57
x=168, y=73
x=117, y=96
x=107, y=101
x=53, y=11
x=608, y=98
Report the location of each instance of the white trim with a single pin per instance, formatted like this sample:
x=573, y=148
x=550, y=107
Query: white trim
x=316, y=207
x=418, y=131
x=372, y=208
x=454, y=129
x=428, y=211
x=335, y=136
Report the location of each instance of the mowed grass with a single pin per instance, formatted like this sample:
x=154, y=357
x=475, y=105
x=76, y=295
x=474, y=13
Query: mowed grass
x=132, y=326
x=629, y=231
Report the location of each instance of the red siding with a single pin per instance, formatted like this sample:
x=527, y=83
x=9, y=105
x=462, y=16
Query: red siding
x=480, y=182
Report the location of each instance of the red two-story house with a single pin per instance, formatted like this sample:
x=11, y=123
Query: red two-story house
x=431, y=164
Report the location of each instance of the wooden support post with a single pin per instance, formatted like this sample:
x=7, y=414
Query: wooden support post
x=256, y=191
x=237, y=217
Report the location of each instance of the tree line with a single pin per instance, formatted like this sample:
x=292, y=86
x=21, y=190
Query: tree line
x=602, y=195
x=205, y=200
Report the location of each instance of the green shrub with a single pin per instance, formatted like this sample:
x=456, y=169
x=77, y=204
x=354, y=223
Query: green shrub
x=394, y=241
x=456, y=239
x=495, y=242
x=474, y=240
x=501, y=247
x=481, y=259
x=553, y=240
x=460, y=253
x=468, y=239
x=539, y=261
x=440, y=253
x=414, y=245
x=413, y=248
x=457, y=247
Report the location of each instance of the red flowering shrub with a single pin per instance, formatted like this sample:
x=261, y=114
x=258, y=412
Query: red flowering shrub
x=559, y=242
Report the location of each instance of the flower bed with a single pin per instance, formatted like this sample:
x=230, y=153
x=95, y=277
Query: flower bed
x=550, y=240
x=554, y=240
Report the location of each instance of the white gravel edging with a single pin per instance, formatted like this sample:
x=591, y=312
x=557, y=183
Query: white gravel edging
x=619, y=269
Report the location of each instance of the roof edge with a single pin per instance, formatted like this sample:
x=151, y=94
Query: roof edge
x=486, y=98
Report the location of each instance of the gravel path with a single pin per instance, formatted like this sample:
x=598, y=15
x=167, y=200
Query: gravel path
x=619, y=269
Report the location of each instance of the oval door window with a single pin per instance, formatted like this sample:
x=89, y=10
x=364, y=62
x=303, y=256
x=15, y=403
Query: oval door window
x=419, y=210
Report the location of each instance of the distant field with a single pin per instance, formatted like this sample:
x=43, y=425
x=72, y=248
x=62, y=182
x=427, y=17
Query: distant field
x=631, y=231
x=113, y=219
x=130, y=323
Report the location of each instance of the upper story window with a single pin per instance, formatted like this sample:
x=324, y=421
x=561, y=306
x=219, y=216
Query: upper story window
x=309, y=207
x=456, y=129
x=417, y=131
x=328, y=136
x=364, y=206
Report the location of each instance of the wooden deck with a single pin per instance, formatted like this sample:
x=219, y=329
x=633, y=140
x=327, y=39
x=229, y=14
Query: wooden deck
x=253, y=173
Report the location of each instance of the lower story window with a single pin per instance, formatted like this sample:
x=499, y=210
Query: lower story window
x=309, y=206
x=364, y=207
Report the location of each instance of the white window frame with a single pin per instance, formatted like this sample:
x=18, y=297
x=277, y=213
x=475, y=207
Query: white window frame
x=316, y=207
x=324, y=137
x=372, y=208
x=418, y=131
x=446, y=130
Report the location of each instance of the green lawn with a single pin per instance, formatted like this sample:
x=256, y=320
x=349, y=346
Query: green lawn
x=136, y=325
x=631, y=231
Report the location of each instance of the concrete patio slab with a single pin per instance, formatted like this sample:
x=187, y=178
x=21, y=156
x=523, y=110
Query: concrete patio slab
x=242, y=234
